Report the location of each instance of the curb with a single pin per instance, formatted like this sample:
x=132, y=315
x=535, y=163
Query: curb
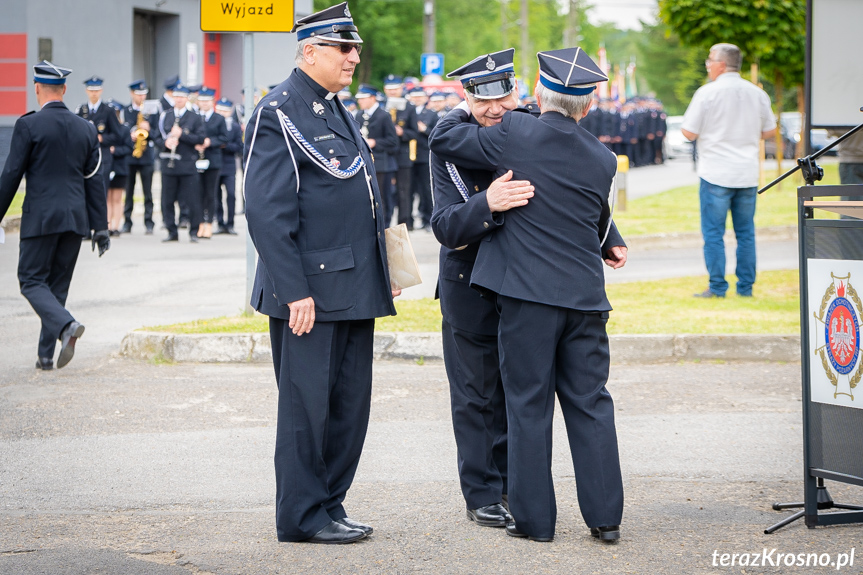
x=255, y=348
x=695, y=240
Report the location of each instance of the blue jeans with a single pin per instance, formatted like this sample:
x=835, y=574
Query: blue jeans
x=716, y=201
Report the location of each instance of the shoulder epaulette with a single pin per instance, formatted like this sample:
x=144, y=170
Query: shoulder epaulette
x=28, y=113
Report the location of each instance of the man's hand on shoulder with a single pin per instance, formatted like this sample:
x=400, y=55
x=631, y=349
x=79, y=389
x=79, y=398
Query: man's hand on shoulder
x=615, y=257
x=302, y=316
x=505, y=193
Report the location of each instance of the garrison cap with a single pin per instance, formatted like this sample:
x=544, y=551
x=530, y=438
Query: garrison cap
x=139, y=87
x=172, y=82
x=489, y=76
x=366, y=91
x=47, y=73
x=181, y=89
x=94, y=83
x=206, y=93
x=569, y=71
x=224, y=104
x=335, y=23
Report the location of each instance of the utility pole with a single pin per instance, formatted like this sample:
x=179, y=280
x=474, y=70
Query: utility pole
x=504, y=24
x=525, y=46
x=428, y=27
x=570, y=34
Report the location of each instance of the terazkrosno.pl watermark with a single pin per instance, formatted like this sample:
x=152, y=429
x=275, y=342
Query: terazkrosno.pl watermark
x=776, y=558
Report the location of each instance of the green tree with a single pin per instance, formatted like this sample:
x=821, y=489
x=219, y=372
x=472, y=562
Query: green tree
x=671, y=70
x=770, y=33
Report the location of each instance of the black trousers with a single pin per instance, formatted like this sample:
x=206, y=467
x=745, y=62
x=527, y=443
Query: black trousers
x=422, y=188
x=478, y=414
x=546, y=350
x=177, y=189
x=146, y=172
x=209, y=194
x=229, y=181
x=325, y=386
x=45, y=267
x=406, y=200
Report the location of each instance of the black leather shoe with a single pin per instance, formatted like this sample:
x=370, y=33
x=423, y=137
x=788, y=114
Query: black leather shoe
x=193, y=239
x=221, y=230
x=493, y=515
x=149, y=231
x=171, y=238
x=127, y=228
x=336, y=533
x=231, y=231
x=68, y=337
x=513, y=532
x=45, y=363
x=606, y=533
x=348, y=522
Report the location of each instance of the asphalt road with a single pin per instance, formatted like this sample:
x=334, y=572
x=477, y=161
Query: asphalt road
x=117, y=466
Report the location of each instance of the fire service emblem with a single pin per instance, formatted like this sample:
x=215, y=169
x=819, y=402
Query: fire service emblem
x=839, y=321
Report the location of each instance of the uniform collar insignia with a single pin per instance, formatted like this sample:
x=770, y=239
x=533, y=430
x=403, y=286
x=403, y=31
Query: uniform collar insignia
x=318, y=108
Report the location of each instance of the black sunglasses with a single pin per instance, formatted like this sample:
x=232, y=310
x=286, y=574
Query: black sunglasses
x=343, y=48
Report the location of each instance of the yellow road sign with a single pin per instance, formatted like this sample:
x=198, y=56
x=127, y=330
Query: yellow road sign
x=247, y=15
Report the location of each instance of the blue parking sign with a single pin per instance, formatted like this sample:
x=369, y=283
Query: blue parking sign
x=431, y=64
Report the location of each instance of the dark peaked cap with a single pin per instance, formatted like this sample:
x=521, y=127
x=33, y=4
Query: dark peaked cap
x=569, y=71
x=47, y=73
x=335, y=23
x=488, y=76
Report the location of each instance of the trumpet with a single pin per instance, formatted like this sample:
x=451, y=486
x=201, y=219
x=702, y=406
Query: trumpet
x=140, y=138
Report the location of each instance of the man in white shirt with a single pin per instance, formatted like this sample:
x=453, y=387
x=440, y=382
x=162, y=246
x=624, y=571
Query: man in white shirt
x=729, y=116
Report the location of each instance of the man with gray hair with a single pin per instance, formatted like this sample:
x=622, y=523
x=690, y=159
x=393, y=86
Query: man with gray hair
x=313, y=210
x=544, y=267
x=728, y=117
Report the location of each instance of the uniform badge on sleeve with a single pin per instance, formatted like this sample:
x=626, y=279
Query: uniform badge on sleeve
x=318, y=108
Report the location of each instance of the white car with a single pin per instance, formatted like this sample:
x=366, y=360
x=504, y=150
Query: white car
x=676, y=146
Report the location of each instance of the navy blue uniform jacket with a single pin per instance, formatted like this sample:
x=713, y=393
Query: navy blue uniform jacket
x=217, y=131
x=382, y=130
x=232, y=147
x=59, y=154
x=316, y=235
x=193, y=134
x=130, y=114
x=549, y=250
x=459, y=225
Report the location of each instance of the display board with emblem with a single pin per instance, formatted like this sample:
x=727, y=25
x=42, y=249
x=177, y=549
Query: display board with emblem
x=831, y=308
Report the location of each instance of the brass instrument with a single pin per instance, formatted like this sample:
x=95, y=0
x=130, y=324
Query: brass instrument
x=393, y=113
x=140, y=138
x=412, y=149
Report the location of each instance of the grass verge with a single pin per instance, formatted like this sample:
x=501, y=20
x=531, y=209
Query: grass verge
x=678, y=211
x=15, y=206
x=664, y=306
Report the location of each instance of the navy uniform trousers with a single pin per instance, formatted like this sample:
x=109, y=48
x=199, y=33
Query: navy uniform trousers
x=45, y=267
x=478, y=414
x=546, y=350
x=323, y=418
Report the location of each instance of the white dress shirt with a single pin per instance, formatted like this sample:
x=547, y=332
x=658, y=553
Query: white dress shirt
x=729, y=115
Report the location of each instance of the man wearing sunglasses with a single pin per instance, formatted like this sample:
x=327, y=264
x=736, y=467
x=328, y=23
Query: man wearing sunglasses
x=314, y=213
